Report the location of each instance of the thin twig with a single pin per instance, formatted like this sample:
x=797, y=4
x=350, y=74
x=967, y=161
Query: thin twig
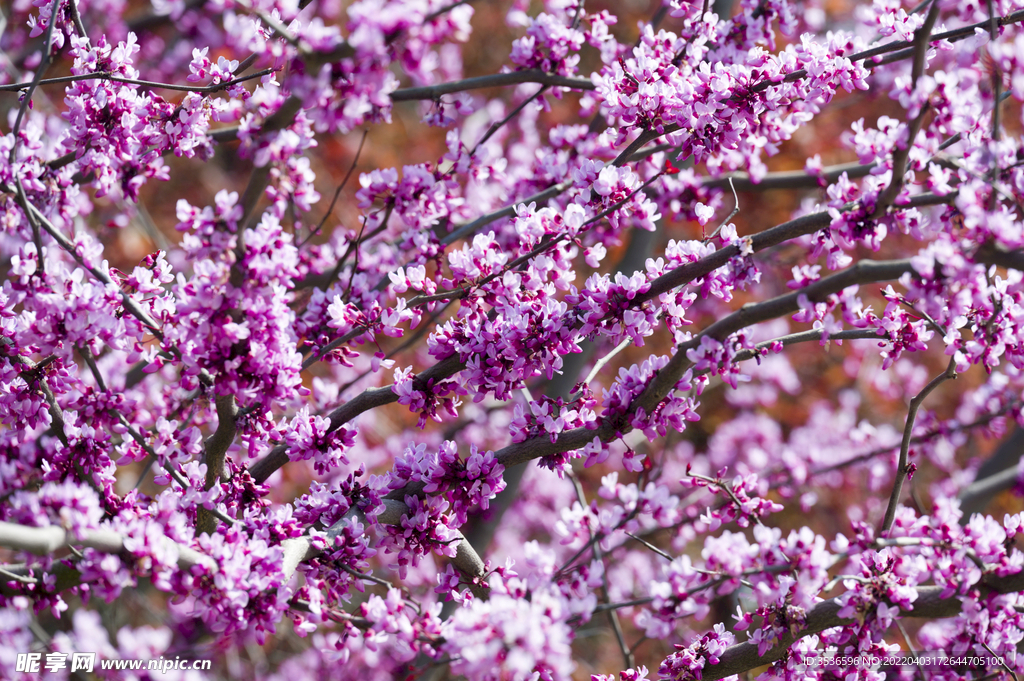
x=21, y=579
x=106, y=75
x=903, y=467
x=723, y=485
x=44, y=65
x=495, y=127
x=1002, y=662
x=601, y=607
x=600, y=364
x=543, y=246
x=471, y=227
x=650, y=546
x=613, y=616
x=432, y=92
x=337, y=192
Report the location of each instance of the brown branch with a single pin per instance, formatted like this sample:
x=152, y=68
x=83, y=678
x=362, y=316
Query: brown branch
x=108, y=76
x=790, y=179
x=929, y=604
x=901, y=155
x=35, y=373
x=628, y=660
x=899, y=166
x=471, y=228
x=370, y=398
x=922, y=39
x=43, y=541
x=299, y=549
x=260, y=177
x=546, y=244
x=216, y=450
x=805, y=337
x=65, y=243
x=26, y=101
x=337, y=192
x=432, y=92
x=903, y=467
x=76, y=19
x=801, y=226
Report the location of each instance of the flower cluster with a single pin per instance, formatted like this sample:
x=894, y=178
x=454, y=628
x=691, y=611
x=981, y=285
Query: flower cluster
x=115, y=129
x=510, y=636
x=550, y=416
x=745, y=500
x=676, y=83
x=311, y=437
x=716, y=358
x=688, y=661
x=549, y=45
x=427, y=397
x=607, y=306
x=465, y=484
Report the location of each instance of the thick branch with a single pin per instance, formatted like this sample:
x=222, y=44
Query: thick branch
x=743, y=657
x=801, y=226
x=987, y=488
x=300, y=548
x=365, y=401
x=46, y=540
x=866, y=271
x=994, y=254
x=216, y=451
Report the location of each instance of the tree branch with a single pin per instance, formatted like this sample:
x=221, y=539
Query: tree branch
x=370, y=398
x=216, y=451
x=903, y=467
x=106, y=75
x=432, y=92
x=46, y=540
x=301, y=549
x=929, y=604
x=471, y=228
x=988, y=487
x=790, y=179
